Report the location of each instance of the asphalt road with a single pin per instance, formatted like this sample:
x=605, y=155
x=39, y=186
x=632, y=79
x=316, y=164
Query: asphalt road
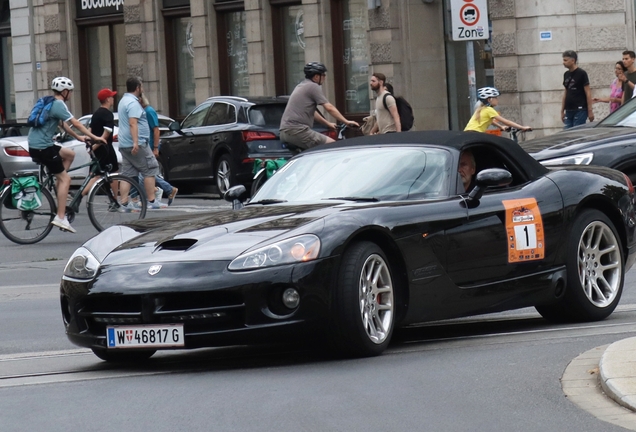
x=497, y=372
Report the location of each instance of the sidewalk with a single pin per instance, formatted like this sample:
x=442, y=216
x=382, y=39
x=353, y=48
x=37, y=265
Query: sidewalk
x=618, y=372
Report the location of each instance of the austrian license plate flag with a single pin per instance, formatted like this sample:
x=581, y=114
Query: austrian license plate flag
x=525, y=230
x=152, y=336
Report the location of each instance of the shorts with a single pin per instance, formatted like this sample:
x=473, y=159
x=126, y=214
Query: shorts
x=49, y=157
x=144, y=162
x=106, y=156
x=303, y=137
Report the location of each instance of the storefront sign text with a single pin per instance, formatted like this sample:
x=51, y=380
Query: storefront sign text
x=92, y=8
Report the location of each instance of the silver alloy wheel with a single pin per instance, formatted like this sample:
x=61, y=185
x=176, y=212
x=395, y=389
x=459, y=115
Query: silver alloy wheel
x=599, y=261
x=375, y=292
x=223, y=176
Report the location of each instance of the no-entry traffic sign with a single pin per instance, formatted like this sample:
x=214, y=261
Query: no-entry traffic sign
x=469, y=20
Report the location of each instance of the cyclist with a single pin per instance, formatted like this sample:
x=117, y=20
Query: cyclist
x=485, y=113
x=301, y=111
x=58, y=159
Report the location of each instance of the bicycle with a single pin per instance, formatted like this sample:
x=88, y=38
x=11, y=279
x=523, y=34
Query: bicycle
x=514, y=133
x=262, y=176
x=103, y=207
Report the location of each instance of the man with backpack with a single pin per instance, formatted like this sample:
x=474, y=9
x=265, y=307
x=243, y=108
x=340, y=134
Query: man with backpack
x=45, y=117
x=386, y=111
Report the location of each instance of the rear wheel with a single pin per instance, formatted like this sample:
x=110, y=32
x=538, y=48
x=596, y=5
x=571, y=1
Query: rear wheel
x=105, y=207
x=224, y=173
x=363, y=310
x=26, y=227
x=123, y=356
x=595, y=271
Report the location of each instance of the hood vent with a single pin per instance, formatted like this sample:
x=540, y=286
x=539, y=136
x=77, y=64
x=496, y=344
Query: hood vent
x=176, y=244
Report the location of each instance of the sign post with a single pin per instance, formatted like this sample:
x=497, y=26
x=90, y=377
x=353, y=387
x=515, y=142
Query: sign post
x=469, y=22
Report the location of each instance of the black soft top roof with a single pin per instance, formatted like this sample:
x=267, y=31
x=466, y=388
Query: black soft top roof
x=453, y=139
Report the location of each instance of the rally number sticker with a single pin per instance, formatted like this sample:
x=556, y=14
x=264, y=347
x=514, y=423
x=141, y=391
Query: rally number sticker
x=525, y=230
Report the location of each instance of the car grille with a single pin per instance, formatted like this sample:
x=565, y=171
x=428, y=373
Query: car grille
x=198, y=311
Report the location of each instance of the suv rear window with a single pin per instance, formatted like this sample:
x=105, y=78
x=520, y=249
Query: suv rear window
x=266, y=115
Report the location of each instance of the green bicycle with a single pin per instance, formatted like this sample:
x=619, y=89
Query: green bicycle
x=103, y=203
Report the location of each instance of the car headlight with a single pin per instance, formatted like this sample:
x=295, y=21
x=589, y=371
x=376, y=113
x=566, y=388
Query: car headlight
x=577, y=159
x=81, y=266
x=296, y=249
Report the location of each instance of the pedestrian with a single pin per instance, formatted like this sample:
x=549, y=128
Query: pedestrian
x=102, y=124
x=628, y=78
x=615, y=98
x=576, y=103
x=134, y=138
x=153, y=124
x=386, y=113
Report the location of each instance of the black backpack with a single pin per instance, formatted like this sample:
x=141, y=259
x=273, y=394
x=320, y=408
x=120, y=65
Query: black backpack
x=404, y=111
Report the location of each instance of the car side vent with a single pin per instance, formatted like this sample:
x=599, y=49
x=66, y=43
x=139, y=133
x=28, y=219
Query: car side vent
x=176, y=244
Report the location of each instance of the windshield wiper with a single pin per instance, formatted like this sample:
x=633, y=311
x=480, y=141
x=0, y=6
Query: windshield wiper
x=267, y=201
x=361, y=199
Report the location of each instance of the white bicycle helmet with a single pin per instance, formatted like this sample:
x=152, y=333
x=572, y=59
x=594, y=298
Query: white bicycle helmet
x=487, y=92
x=60, y=84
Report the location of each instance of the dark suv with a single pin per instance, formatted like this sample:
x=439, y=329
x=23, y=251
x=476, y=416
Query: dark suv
x=220, y=139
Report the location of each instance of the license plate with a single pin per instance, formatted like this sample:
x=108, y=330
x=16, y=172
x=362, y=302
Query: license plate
x=153, y=336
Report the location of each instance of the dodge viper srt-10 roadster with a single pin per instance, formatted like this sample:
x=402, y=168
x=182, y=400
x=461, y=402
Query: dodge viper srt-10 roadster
x=349, y=240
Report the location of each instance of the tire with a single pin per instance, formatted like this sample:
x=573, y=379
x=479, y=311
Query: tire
x=26, y=227
x=258, y=182
x=363, y=312
x=224, y=174
x=595, y=271
x=105, y=212
x=123, y=356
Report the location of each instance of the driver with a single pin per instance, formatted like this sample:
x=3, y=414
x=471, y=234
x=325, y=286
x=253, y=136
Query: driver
x=467, y=168
x=300, y=113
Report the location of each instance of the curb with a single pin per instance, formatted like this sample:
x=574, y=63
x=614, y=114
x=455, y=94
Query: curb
x=618, y=372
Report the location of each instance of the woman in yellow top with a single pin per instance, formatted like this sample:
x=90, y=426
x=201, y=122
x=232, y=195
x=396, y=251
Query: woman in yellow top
x=485, y=114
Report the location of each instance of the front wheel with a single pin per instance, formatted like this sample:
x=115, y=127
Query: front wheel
x=259, y=181
x=107, y=208
x=26, y=227
x=595, y=271
x=364, y=310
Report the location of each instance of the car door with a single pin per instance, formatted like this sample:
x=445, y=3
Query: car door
x=214, y=132
x=177, y=150
x=510, y=233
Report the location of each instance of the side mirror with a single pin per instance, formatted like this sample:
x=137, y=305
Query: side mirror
x=489, y=178
x=175, y=126
x=234, y=195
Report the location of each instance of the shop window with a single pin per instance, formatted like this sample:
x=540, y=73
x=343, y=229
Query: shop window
x=181, y=55
x=233, y=52
x=7, y=91
x=289, y=40
x=351, y=55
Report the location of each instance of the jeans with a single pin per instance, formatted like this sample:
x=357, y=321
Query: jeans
x=159, y=181
x=574, y=118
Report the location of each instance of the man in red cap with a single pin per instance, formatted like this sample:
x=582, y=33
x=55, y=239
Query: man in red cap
x=102, y=124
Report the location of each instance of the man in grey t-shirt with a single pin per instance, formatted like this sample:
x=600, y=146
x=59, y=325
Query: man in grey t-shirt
x=300, y=113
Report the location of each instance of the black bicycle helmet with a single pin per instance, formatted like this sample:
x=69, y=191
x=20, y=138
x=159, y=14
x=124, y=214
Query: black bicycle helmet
x=314, y=68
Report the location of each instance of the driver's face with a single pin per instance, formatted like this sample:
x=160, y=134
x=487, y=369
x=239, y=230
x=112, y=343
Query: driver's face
x=466, y=169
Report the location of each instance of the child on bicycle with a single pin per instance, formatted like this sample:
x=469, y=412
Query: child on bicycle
x=485, y=113
x=55, y=158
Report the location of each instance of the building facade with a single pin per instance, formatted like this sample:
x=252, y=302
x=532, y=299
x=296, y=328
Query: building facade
x=188, y=50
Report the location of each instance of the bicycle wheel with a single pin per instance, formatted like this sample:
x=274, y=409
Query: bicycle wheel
x=258, y=182
x=105, y=209
x=26, y=227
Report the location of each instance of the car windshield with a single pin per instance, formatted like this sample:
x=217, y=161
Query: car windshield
x=266, y=115
x=361, y=174
x=625, y=116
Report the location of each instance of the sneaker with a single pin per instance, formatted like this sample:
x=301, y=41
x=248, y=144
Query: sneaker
x=63, y=224
x=173, y=194
x=136, y=204
x=154, y=205
x=158, y=194
x=126, y=208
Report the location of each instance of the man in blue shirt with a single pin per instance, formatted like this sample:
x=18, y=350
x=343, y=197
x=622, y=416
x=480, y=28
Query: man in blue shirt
x=55, y=158
x=134, y=138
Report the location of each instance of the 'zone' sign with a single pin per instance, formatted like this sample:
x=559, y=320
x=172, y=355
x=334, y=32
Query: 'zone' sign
x=469, y=19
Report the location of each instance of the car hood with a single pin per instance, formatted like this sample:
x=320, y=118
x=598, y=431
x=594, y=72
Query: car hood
x=219, y=236
x=578, y=141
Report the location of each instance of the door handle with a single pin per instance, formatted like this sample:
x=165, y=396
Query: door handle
x=216, y=138
x=191, y=140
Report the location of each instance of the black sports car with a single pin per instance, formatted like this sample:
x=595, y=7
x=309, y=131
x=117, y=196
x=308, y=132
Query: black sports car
x=610, y=143
x=352, y=239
